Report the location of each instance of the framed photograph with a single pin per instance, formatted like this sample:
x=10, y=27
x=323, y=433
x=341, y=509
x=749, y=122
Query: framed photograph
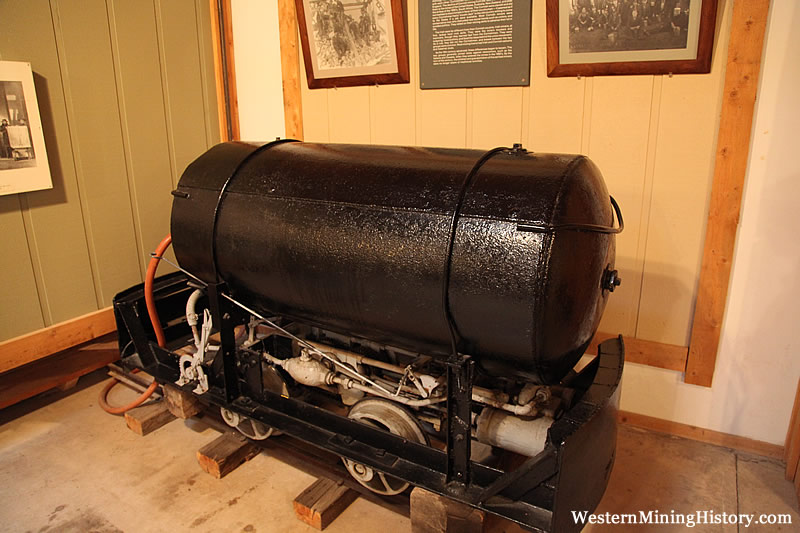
x=607, y=37
x=23, y=159
x=353, y=42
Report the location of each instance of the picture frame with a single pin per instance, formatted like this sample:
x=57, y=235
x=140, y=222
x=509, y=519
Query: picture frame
x=354, y=43
x=23, y=157
x=662, y=37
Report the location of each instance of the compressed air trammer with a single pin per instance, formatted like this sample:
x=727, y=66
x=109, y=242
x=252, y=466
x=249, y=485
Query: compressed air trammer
x=443, y=296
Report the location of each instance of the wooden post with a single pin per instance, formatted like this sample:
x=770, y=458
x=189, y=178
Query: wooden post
x=224, y=70
x=147, y=418
x=181, y=404
x=224, y=454
x=733, y=148
x=322, y=502
x=791, y=448
x=290, y=70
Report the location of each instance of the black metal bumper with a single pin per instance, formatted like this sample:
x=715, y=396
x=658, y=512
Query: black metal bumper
x=571, y=474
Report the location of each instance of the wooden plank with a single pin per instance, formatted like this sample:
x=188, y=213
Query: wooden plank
x=323, y=501
x=225, y=453
x=646, y=352
x=792, y=444
x=797, y=482
x=147, y=418
x=222, y=41
x=69, y=385
x=432, y=513
x=180, y=403
x=733, y=148
x=710, y=436
x=29, y=380
x=41, y=343
x=290, y=69
x=209, y=87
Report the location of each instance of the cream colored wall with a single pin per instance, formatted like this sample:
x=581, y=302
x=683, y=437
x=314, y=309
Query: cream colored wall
x=652, y=136
x=126, y=95
x=256, y=47
x=758, y=364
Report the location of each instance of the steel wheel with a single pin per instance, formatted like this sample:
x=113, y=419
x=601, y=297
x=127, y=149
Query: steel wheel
x=248, y=427
x=388, y=416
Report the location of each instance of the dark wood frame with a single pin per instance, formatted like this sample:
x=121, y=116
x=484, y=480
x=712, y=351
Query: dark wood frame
x=700, y=65
x=401, y=48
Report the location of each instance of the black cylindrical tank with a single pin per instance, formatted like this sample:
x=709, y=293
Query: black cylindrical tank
x=356, y=239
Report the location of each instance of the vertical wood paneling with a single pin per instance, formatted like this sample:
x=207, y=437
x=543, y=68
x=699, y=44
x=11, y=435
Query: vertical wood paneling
x=555, y=104
x=441, y=117
x=653, y=139
x=19, y=312
x=684, y=168
x=88, y=72
x=315, y=110
x=348, y=117
x=496, y=117
x=391, y=107
x=53, y=219
x=135, y=46
x=208, y=85
x=183, y=80
x=618, y=145
x=98, y=76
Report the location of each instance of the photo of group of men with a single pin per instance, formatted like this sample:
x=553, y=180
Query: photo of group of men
x=610, y=25
x=349, y=34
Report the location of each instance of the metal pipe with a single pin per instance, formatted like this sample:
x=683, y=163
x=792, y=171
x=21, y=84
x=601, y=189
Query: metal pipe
x=191, y=314
x=344, y=368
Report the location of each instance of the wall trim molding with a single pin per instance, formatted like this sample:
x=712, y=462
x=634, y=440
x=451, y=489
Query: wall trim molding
x=709, y=436
x=58, y=337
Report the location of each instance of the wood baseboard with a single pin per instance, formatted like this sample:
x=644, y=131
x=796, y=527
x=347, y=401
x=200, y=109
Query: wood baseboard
x=744, y=444
x=29, y=380
x=62, y=336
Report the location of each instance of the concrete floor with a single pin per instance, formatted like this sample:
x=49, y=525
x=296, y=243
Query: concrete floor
x=66, y=466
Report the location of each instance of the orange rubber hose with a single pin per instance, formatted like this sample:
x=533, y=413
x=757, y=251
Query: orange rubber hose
x=160, y=338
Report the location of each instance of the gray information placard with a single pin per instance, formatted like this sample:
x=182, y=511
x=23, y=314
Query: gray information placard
x=474, y=43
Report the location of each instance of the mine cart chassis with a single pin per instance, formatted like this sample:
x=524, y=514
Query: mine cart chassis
x=570, y=474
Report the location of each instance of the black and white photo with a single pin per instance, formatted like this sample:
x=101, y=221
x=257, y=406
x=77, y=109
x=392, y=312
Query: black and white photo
x=16, y=145
x=350, y=35
x=353, y=42
x=606, y=37
x=606, y=25
x=23, y=159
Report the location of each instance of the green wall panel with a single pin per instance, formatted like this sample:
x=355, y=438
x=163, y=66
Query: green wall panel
x=127, y=97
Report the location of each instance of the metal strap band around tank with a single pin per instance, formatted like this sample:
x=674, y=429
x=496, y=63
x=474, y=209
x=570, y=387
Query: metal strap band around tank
x=593, y=228
x=224, y=189
x=451, y=242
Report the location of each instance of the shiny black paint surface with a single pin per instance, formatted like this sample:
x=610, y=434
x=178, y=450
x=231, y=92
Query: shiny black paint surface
x=354, y=238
